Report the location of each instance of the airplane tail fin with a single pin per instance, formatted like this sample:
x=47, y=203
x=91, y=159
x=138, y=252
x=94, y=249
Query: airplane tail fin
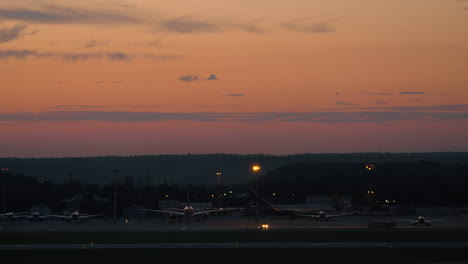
x=271, y=206
x=188, y=197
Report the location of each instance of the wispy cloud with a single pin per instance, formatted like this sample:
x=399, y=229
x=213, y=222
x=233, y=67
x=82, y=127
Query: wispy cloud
x=192, y=78
x=234, y=95
x=94, y=43
x=77, y=107
x=188, y=78
x=344, y=103
x=162, y=57
x=413, y=93
x=309, y=25
x=381, y=102
x=212, y=77
x=75, y=57
x=377, y=93
x=186, y=25
x=308, y=117
x=15, y=32
x=52, y=14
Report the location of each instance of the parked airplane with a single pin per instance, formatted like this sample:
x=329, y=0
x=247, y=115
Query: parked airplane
x=189, y=212
x=322, y=215
x=421, y=220
x=36, y=216
x=74, y=216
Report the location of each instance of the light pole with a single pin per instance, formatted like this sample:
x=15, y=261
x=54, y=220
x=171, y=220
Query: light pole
x=217, y=195
x=4, y=172
x=370, y=191
x=116, y=174
x=256, y=169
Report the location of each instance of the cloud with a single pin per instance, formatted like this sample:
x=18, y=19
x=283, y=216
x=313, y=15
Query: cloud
x=433, y=108
x=68, y=57
x=308, y=117
x=65, y=15
x=378, y=93
x=23, y=54
x=381, y=102
x=188, y=78
x=15, y=32
x=186, y=25
x=94, y=43
x=343, y=103
x=212, y=77
x=117, y=56
x=234, y=95
x=305, y=25
x=413, y=93
x=161, y=57
x=250, y=27
x=77, y=107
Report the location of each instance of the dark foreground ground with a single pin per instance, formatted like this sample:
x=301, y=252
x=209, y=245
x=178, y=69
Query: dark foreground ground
x=253, y=246
x=263, y=255
x=233, y=239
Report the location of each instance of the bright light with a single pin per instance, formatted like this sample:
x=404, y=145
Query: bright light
x=256, y=168
x=167, y=195
x=370, y=167
x=218, y=173
x=274, y=194
x=230, y=191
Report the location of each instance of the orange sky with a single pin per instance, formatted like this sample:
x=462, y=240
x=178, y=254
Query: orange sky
x=102, y=77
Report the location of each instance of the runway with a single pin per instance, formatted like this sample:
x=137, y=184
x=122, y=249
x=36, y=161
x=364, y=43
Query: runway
x=231, y=245
x=234, y=222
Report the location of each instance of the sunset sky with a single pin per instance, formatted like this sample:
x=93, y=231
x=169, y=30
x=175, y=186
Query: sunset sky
x=122, y=77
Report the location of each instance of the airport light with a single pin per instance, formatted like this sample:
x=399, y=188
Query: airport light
x=256, y=170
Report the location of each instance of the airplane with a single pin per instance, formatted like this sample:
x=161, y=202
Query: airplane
x=421, y=220
x=36, y=216
x=12, y=216
x=74, y=216
x=189, y=212
x=321, y=215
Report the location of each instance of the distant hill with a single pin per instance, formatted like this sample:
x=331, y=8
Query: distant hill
x=194, y=168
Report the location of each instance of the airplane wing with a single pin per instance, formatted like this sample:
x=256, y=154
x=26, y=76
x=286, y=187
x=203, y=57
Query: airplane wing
x=307, y=215
x=164, y=211
x=88, y=216
x=58, y=216
x=336, y=215
x=14, y=214
x=215, y=211
x=406, y=220
x=434, y=220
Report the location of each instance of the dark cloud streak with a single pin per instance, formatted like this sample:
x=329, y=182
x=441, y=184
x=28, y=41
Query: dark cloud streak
x=307, y=117
x=61, y=15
